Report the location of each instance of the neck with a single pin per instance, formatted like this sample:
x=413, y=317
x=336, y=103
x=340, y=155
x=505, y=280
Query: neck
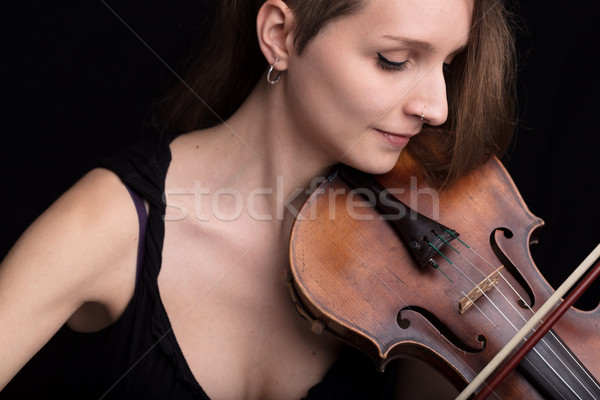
x=264, y=123
x=261, y=156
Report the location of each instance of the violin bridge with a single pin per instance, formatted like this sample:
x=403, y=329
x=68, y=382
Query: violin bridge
x=484, y=286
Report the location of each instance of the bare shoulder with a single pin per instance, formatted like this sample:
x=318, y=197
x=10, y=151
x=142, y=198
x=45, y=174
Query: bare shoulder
x=97, y=225
x=82, y=234
x=82, y=249
x=89, y=221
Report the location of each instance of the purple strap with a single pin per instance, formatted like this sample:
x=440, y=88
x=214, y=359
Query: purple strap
x=140, y=206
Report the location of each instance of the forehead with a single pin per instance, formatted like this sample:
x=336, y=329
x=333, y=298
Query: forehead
x=442, y=23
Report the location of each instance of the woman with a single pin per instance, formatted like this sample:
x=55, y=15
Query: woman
x=205, y=313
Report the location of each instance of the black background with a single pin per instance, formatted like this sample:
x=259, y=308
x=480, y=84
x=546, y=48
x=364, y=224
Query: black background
x=77, y=83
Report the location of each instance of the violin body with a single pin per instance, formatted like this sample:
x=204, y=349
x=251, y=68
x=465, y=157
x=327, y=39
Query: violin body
x=353, y=275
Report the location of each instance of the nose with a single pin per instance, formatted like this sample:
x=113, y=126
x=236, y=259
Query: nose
x=428, y=98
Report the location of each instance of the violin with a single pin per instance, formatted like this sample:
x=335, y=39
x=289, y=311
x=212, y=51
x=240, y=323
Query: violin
x=396, y=268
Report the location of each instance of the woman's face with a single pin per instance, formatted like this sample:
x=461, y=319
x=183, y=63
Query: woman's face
x=358, y=90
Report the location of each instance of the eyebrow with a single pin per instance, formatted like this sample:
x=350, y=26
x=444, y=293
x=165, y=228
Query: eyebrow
x=411, y=42
x=419, y=44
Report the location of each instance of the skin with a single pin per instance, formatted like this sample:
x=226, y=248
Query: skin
x=221, y=275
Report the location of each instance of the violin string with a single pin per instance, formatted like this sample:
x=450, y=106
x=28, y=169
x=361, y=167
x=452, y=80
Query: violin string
x=483, y=293
x=483, y=313
x=569, y=353
x=499, y=311
x=399, y=297
x=406, y=305
x=495, y=306
x=524, y=319
x=483, y=274
x=504, y=336
x=394, y=292
x=464, y=294
x=528, y=307
x=514, y=327
x=522, y=302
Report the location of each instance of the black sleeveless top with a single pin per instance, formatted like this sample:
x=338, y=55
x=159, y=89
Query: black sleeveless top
x=137, y=357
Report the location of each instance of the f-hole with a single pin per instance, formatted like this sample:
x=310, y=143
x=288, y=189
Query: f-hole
x=441, y=327
x=510, y=266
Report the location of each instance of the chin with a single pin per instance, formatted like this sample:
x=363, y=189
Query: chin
x=375, y=166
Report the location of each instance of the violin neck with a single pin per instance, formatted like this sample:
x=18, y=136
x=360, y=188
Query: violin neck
x=556, y=371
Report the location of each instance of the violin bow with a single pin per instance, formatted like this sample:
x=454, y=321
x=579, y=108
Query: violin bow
x=535, y=319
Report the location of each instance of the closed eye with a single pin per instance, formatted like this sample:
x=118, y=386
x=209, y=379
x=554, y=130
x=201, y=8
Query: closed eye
x=388, y=65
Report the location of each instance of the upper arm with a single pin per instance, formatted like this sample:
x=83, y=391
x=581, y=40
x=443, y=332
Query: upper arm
x=81, y=249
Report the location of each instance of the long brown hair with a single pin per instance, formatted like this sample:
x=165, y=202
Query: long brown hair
x=481, y=101
x=480, y=84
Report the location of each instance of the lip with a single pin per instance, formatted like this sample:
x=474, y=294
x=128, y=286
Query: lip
x=395, y=139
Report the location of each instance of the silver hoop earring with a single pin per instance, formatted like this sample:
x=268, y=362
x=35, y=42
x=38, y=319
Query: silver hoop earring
x=270, y=71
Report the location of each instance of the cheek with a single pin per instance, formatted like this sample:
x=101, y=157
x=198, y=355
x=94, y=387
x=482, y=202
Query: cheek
x=345, y=95
x=365, y=97
x=357, y=89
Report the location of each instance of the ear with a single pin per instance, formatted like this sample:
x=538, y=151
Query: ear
x=274, y=28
